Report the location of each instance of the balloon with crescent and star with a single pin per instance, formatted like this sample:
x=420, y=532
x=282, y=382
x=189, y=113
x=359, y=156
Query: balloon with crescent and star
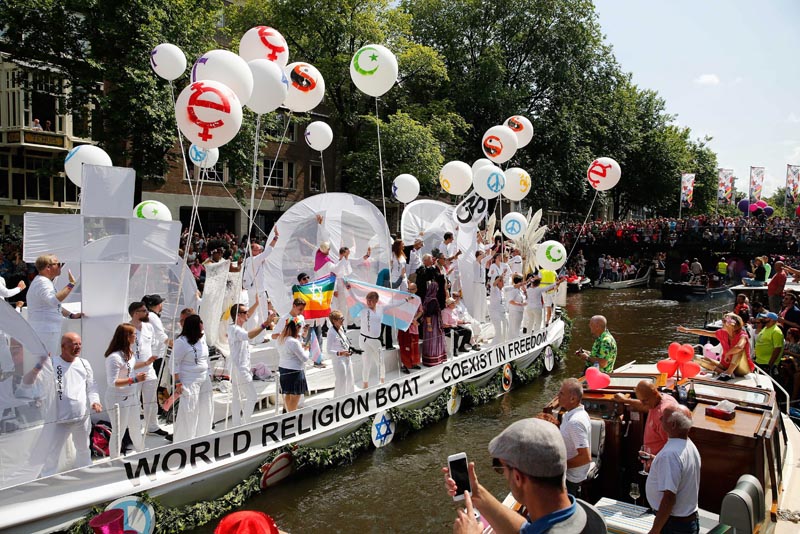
x=374, y=69
x=551, y=255
x=153, y=210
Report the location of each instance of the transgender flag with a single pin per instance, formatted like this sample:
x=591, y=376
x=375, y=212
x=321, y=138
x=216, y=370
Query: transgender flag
x=314, y=349
x=398, y=312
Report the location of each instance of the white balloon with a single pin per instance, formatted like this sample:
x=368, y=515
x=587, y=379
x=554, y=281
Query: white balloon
x=405, y=188
x=499, y=144
x=522, y=128
x=455, y=177
x=373, y=69
x=263, y=42
x=489, y=181
x=208, y=113
x=227, y=68
x=89, y=154
x=205, y=158
x=603, y=174
x=551, y=255
x=319, y=135
x=514, y=225
x=482, y=162
x=168, y=61
x=153, y=210
x=306, y=87
x=270, y=86
x=518, y=184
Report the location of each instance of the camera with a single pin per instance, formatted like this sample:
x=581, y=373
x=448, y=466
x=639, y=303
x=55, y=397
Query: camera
x=354, y=350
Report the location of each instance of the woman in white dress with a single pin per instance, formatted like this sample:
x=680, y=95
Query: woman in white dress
x=122, y=391
x=338, y=347
x=192, y=381
x=516, y=307
x=498, y=311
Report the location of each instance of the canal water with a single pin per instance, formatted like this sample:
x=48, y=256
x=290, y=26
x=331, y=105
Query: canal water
x=400, y=488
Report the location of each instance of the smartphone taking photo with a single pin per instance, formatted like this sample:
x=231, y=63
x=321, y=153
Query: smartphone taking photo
x=457, y=464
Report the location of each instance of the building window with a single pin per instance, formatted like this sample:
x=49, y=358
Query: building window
x=315, y=183
x=283, y=176
x=277, y=132
x=217, y=174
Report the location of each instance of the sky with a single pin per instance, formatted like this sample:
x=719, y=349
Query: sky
x=727, y=68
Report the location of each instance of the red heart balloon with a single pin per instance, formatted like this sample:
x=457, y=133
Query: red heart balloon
x=684, y=354
x=596, y=379
x=690, y=369
x=668, y=367
x=673, y=350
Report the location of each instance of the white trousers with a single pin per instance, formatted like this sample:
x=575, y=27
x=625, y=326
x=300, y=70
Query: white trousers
x=500, y=323
x=533, y=319
x=244, y=398
x=128, y=420
x=195, y=409
x=515, y=323
x=149, y=390
x=372, y=354
x=343, y=371
x=79, y=431
x=479, y=302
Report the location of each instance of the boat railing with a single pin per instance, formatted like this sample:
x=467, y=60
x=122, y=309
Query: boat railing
x=777, y=387
x=714, y=315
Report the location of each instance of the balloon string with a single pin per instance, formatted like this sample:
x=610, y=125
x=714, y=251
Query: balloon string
x=274, y=162
x=250, y=216
x=322, y=164
x=580, y=232
x=380, y=157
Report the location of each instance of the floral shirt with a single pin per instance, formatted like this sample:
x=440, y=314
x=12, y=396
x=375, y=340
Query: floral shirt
x=605, y=347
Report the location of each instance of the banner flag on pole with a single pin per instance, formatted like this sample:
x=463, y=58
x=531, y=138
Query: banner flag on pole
x=725, y=189
x=314, y=349
x=792, y=183
x=397, y=312
x=756, y=183
x=687, y=190
x=318, y=295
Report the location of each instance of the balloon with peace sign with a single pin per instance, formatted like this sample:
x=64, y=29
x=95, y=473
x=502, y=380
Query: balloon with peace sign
x=514, y=225
x=489, y=181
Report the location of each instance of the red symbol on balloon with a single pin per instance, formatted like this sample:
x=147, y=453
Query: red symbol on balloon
x=515, y=125
x=264, y=33
x=492, y=146
x=597, y=169
x=302, y=81
x=223, y=106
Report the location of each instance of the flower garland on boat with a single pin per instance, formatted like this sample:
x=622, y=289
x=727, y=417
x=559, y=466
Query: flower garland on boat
x=344, y=452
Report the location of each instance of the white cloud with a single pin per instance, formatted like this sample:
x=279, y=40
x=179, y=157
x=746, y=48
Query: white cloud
x=794, y=156
x=737, y=80
x=793, y=118
x=707, y=79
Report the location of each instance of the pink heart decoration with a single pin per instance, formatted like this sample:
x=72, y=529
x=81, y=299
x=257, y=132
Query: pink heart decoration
x=668, y=367
x=673, y=350
x=596, y=379
x=685, y=354
x=690, y=369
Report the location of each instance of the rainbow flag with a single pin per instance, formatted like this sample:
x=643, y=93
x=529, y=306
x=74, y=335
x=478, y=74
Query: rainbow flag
x=398, y=312
x=318, y=295
x=314, y=349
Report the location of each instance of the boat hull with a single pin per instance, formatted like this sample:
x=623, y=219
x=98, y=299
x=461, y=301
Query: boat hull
x=686, y=292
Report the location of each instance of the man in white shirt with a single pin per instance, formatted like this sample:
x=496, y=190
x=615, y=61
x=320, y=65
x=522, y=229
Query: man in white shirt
x=448, y=247
x=515, y=263
x=244, y=392
x=253, y=279
x=576, y=429
x=143, y=351
x=76, y=392
x=414, y=257
x=673, y=484
x=44, y=303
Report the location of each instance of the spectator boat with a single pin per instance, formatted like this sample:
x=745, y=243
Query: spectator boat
x=688, y=291
x=578, y=283
x=641, y=280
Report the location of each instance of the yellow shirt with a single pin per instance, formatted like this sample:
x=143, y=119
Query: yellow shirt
x=722, y=268
x=548, y=276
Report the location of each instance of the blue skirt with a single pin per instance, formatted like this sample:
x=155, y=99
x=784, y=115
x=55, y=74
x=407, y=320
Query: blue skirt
x=293, y=381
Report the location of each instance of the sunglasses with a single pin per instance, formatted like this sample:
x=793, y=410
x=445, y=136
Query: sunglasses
x=498, y=466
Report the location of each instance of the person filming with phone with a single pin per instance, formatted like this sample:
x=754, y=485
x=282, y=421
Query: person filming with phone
x=530, y=454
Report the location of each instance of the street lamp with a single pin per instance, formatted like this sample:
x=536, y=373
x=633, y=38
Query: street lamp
x=279, y=199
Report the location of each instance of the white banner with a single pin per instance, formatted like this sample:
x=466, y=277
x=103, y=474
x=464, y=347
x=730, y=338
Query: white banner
x=472, y=210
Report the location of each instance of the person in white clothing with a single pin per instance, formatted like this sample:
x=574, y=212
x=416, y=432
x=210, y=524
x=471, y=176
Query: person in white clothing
x=121, y=378
x=342, y=270
x=576, y=429
x=44, y=303
x=244, y=392
x=499, y=268
x=338, y=347
x=76, y=393
x=515, y=263
x=479, y=289
x=143, y=352
x=253, y=280
x=414, y=257
x=534, y=312
x=448, y=247
x=498, y=312
x=293, y=358
x=192, y=381
x=371, y=317
x=6, y=361
x=462, y=314
x=673, y=484
x=516, y=306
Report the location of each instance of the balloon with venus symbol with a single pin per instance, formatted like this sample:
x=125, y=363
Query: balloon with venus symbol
x=551, y=255
x=263, y=42
x=489, y=181
x=306, y=87
x=603, y=174
x=208, y=113
x=373, y=69
x=514, y=225
x=499, y=144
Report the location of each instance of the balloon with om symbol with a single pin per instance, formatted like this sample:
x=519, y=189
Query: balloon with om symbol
x=306, y=87
x=499, y=144
x=270, y=86
x=373, y=69
x=489, y=181
x=518, y=184
x=603, y=174
x=227, y=68
x=522, y=128
x=168, y=61
x=263, y=42
x=455, y=177
x=208, y=113
x=551, y=255
x=405, y=188
x=514, y=225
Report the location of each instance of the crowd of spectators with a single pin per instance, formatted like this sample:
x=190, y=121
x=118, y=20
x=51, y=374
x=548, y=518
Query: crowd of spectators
x=782, y=232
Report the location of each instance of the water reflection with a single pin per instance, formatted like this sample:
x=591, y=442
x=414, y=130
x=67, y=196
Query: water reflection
x=399, y=488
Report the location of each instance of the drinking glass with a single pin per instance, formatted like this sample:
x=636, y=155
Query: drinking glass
x=634, y=493
x=644, y=457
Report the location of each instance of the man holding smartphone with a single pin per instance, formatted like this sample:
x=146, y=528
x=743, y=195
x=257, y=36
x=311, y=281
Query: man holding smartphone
x=531, y=455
